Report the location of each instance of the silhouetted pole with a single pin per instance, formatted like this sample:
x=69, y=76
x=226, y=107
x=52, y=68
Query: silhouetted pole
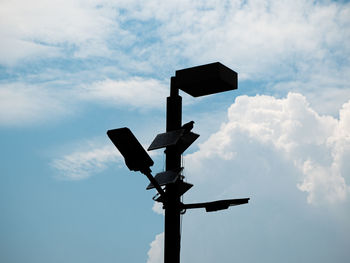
x=172, y=235
x=196, y=81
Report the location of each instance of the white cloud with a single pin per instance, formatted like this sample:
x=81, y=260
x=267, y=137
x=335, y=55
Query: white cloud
x=270, y=136
x=44, y=27
x=327, y=91
x=134, y=92
x=13, y=50
x=317, y=146
x=259, y=37
x=21, y=104
x=91, y=158
x=82, y=164
x=284, y=156
x=155, y=254
x=295, y=46
x=158, y=208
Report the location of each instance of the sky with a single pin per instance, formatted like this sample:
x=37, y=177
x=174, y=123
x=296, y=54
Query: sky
x=71, y=70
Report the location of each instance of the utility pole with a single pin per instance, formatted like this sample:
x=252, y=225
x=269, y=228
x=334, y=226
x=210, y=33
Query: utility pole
x=172, y=235
x=197, y=81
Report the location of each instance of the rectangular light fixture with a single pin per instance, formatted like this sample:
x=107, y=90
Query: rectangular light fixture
x=135, y=156
x=217, y=205
x=206, y=79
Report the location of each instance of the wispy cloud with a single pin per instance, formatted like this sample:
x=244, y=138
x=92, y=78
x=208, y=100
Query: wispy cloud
x=91, y=158
x=134, y=92
x=22, y=104
x=259, y=38
x=82, y=164
x=293, y=46
x=43, y=28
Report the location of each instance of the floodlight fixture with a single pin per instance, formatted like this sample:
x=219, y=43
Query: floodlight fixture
x=135, y=156
x=205, y=79
x=217, y=205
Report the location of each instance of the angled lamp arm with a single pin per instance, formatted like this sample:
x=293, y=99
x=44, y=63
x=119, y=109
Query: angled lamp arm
x=216, y=205
x=135, y=156
x=153, y=181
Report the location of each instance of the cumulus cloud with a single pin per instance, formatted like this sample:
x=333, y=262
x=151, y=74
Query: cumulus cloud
x=158, y=208
x=262, y=131
x=284, y=156
x=155, y=254
x=82, y=164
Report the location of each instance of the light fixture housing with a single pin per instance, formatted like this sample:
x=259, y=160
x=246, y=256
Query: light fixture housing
x=205, y=79
x=135, y=156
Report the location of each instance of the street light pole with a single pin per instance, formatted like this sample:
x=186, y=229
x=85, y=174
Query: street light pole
x=197, y=81
x=172, y=235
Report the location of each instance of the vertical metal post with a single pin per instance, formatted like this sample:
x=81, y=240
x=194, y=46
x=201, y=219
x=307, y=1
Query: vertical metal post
x=172, y=235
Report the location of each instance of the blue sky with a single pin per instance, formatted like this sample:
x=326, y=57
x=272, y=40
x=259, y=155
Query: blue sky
x=71, y=70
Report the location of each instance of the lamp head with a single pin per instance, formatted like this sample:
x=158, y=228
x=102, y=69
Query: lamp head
x=206, y=79
x=135, y=156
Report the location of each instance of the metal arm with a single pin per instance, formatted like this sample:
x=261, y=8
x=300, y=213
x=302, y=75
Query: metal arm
x=154, y=182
